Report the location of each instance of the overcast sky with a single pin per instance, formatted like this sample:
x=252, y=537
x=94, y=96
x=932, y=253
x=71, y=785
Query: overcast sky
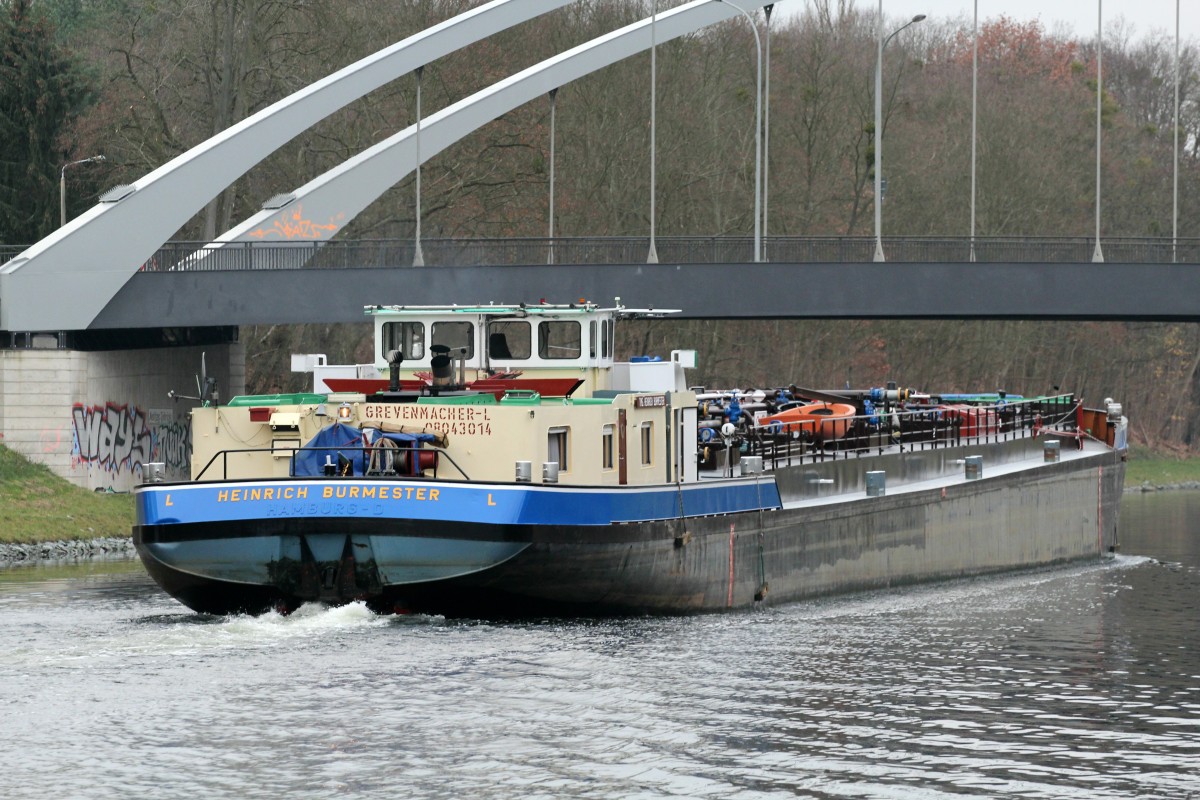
x=1079, y=16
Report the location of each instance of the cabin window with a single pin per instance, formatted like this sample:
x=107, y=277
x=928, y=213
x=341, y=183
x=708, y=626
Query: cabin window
x=458, y=336
x=407, y=337
x=606, y=447
x=509, y=340
x=592, y=339
x=559, y=340
x=647, y=431
x=606, y=338
x=556, y=446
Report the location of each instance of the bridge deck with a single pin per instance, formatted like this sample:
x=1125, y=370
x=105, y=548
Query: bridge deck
x=731, y=290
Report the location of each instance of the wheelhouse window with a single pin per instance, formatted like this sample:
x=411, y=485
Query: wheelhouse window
x=556, y=446
x=458, y=336
x=559, y=340
x=407, y=337
x=509, y=341
x=606, y=332
x=606, y=447
x=592, y=339
x=647, y=432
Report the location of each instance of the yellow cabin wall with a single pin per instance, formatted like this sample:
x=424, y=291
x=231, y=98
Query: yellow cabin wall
x=486, y=441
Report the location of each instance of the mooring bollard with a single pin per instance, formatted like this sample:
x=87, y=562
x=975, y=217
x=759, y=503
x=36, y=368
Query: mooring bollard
x=154, y=472
x=751, y=465
x=974, y=468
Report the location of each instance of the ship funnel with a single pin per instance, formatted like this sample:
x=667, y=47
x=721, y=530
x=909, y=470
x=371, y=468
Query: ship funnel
x=443, y=370
x=394, y=359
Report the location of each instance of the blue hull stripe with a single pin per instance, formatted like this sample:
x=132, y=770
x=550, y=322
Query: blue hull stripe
x=499, y=504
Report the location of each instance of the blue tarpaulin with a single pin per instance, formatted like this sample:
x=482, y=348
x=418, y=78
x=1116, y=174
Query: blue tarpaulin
x=348, y=443
x=312, y=461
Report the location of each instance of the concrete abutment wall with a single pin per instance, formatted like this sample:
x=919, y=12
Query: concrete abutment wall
x=95, y=417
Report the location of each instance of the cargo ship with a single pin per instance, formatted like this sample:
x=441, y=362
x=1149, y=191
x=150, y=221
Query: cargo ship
x=499, y=460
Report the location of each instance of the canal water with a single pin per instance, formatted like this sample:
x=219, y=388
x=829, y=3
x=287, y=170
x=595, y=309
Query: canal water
x=1080, y=682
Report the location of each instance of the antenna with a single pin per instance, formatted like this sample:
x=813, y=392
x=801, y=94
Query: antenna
x=206, y=387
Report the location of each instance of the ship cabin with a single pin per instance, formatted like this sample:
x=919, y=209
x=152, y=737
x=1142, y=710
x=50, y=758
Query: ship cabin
x=509, y=393
x=485, y=342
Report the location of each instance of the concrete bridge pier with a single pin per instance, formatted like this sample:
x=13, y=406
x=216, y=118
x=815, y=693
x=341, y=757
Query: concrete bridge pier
x=94, y=412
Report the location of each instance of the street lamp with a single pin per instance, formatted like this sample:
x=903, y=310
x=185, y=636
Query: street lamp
x=766, y=231
x=757, y=134
x=553, y=107
x=1097, y=253
x=418, y=256
x=974, y=115
x=652, y=256
x=62, y=187
x=1175, y=179
x=879, y=124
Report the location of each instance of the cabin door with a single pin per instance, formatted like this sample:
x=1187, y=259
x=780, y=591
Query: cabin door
x=622, y=448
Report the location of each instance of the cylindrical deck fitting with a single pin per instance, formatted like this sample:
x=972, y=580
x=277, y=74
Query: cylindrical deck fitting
x=974, y=468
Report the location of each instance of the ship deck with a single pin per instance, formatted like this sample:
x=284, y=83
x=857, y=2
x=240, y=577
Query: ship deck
x=1035, y=461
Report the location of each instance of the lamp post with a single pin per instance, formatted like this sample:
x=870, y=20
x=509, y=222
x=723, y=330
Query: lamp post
x=62, y=186
x=757, y=133
x=418, y=256
x=974, y=116
x=652, y=256
x=1175, y=199
x=879, y=124
x=553, y=107
x=1097, y=253
x=767, y=9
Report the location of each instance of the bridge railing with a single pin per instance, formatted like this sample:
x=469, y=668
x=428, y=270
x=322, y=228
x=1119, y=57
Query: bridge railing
x=369, y=253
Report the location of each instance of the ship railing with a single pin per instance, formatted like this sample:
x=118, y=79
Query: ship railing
x=390, y=461
x=912, y=429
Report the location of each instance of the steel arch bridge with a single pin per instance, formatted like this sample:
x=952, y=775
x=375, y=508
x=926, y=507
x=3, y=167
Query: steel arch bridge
x=99, y=251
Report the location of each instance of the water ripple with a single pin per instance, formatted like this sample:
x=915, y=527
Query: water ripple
x=1081, y=682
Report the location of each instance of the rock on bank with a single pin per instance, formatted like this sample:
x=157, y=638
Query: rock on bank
x=34, y=552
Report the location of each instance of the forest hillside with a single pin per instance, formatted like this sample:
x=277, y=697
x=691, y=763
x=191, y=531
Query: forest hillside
x=141, y=81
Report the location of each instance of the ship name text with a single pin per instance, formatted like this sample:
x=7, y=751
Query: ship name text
x=420, y=494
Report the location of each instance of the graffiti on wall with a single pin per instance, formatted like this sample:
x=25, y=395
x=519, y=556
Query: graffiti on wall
x=52, y=440
x=114, y=437
x=119, y=437
x=172, y=440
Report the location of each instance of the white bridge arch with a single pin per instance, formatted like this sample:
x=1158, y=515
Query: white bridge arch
x=100, y=250
x=334, y=198
x=66, y=279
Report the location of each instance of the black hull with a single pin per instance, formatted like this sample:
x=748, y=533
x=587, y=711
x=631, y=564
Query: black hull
x=208, y=596
x=1064, y=512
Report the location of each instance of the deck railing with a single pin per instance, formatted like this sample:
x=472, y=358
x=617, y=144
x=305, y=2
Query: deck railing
x=371, y=461
x=909, y=429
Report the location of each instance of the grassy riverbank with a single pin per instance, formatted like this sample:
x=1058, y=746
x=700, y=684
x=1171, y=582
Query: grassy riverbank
x=38, y=506
x=1160, y=470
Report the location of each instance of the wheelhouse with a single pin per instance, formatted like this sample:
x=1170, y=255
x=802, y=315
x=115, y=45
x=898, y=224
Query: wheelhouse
x=497, y=338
